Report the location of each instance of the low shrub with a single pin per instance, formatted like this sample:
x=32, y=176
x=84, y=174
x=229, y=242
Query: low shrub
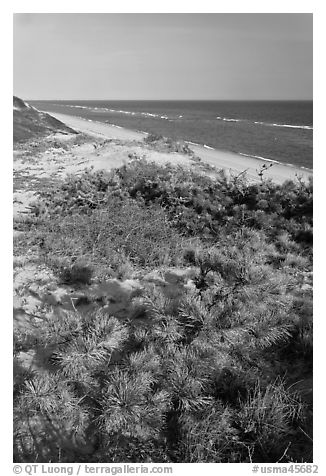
x=122, y=231
x=76, y=274
x=201, y=377
x=200, y=205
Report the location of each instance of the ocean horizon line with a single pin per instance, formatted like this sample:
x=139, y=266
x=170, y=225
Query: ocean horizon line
x=167, y=100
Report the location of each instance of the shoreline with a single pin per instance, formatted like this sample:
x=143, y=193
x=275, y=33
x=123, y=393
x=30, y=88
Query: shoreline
x=229, y=161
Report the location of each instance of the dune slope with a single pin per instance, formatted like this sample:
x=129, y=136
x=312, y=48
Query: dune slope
x=30, y=123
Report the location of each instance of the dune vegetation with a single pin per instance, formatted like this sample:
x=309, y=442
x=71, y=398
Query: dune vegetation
x=211, y=361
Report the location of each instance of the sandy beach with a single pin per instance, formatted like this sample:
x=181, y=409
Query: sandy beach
x=229, y=161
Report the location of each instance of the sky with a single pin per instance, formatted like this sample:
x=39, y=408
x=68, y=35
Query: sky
x=112, y=56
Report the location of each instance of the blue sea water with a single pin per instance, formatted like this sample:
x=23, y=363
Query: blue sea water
x=273, y=130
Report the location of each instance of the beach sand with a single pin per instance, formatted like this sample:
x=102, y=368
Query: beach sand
x=231, y=162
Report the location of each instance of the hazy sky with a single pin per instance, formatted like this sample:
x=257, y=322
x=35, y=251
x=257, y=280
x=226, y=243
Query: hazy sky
x=163, y=56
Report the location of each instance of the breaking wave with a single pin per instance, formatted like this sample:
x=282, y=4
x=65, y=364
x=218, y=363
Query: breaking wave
x=228, y=119
x=128, y=113
x=208, y=147
x=292, y=126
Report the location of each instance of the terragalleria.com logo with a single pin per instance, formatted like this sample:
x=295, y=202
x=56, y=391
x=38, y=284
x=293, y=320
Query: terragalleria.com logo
x=32, y=469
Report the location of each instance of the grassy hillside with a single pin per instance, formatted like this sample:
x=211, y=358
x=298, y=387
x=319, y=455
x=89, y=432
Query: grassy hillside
x=209, y=359
x=30, y=123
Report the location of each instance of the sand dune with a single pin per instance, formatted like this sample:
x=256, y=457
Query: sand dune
x=30, y=123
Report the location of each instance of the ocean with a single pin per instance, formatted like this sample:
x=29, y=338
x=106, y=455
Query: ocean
x=272, y=130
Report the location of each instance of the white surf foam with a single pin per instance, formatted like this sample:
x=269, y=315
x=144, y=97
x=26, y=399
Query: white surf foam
x=208, y=147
